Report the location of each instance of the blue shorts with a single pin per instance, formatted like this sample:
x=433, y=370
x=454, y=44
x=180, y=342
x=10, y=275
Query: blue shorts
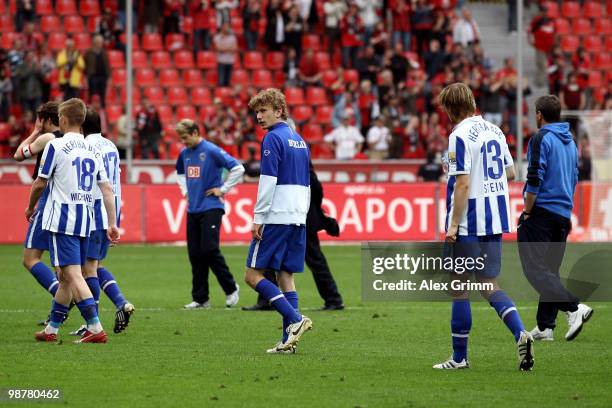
x=36, y=237
x=281, y=248
x=67, y=250
x=97, y=248
x=487, y=247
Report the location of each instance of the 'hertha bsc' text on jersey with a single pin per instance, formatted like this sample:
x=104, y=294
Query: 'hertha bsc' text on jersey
x=110, y=159
x=73, y=167
x=478, y=148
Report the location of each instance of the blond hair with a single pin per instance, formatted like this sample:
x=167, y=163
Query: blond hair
x=187, y=126
x=74, y=110
x=270, y=97
x=458, y=101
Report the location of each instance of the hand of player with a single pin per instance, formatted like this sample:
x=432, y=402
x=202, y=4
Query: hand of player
x=28, y=214
x=38, y=126
x=112, y=233
x=256, y=231
x=451, y=234
x=214, y=191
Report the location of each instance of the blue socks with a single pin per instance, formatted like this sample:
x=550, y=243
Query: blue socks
x=58, y=314
x=292, y=298
x=504, y=306
x=94, y=286
x=109, y=286
x=461, y=323
x=45, y=277
x=87, y=307
x=272, y=293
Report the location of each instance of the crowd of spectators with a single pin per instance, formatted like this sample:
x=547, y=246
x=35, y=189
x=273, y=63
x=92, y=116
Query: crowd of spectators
x=388, y=60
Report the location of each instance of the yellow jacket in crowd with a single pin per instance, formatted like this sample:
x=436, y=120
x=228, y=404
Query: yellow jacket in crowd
x=70, y=65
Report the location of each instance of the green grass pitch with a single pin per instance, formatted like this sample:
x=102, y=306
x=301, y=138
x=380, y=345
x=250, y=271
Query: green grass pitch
x=375, y=354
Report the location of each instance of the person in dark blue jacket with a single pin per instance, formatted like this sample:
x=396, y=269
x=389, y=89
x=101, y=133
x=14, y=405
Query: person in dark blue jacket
x=546, y=219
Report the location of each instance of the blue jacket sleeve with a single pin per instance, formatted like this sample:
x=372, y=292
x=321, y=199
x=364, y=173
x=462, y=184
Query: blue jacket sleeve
x=180, y=166
x=538, y=162
x=271, y=152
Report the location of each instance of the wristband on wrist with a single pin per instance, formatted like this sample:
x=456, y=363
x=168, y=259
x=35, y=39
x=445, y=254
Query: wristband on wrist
x=27, y=153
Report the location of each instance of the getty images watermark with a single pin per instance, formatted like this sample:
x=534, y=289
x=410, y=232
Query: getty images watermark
x=433, y=271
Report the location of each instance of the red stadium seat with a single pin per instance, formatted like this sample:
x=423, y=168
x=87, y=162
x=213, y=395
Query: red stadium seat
x=581, y=26
x=65, y=7
x=174, y=41
x=595, y=79
x=603, y=26
x=301, y=114
x=135, y=40
x=166, y=114
x=294, y=96
x=7, y=39
x=206, y=111
x=135, y=95
x=316, y=96
x=183, y=59
x=609, y=43
x=279, y=79
x=262, y=78
x=223, y=93
x=311, y=41
x=552, y=9
x=592, y=9
x=177, y=95
x=328, y=77
x=145, y=77
x=139, y=59
x=253, y=60
x=351, y=76
x=152, y=42
x=592, y=43
x=324, y=114
x=113, y=112
x=56, y=41
x=275, y=60
x=118, y=77
x=570, y=9
x=50, y=24
x=206, y=60
x=211, y=77
x=186, y=112
x=602, y=61
x=240, y=77
x=192, y=77
x=237, y=25
x=115, y=59
x=609, y=8
x=562, y=26
x=169, y=77
x=161, y=60
x=82, y=41
x=201, y=96
x=187, y=26
x=323, y=61
x=89, y=8
x=43, y=7
x=154, y=94
x=74, y=24
x=312, y=133
x=569, y=43
x=6, y=23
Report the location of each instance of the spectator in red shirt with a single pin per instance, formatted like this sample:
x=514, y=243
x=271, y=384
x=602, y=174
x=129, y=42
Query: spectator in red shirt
x=351, y=28
x=308, y=72
x=572, y=98
x=542, y=37
x=400, y=10
x=555, y=71
x=201, y=12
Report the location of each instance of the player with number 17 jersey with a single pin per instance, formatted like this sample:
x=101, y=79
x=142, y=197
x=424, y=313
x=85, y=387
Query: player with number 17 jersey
x=478, y=148
x=110, y=160
x=75, y=166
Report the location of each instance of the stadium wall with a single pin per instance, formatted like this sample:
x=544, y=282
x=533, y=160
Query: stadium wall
x=365, y=212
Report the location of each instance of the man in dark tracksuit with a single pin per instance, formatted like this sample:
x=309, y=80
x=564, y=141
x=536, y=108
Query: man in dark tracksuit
x=316, y=221
x=546, y=219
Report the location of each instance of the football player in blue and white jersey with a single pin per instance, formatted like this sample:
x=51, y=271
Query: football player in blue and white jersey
x=70, y=166
x=279, y=225
x=479, y=164
x=37, y=239
x=95, y=274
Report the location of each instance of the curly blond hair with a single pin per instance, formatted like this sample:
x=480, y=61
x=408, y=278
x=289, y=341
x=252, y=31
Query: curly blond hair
x=271, y=97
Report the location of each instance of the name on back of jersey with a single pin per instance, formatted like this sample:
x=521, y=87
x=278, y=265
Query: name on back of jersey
x=79, y=144
x=82, y=198
x=474, y=132
x=297, y=144
x=494, y=187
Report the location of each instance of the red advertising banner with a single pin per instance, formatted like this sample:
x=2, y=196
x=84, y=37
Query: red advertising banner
x=365, y=212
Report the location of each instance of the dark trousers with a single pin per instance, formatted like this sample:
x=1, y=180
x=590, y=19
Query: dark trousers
x=203, y=230
x=541, y=248
x=97, y=86
x=316, y=261
x=224, y=74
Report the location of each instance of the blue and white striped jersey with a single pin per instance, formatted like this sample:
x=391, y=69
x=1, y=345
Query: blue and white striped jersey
x=110, y=159
x=478, y=148
x=283, y=196
x=72, y=166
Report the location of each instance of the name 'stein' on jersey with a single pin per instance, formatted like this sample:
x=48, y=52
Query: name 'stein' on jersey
x=110, y=159
x=73, y=167
x=478, y=148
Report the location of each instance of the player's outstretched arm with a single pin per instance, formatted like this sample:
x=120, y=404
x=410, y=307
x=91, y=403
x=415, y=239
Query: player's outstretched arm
x=38, y=187
x=462, y=189
x=510, y=173
x=109, y=203
x=33, y=144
